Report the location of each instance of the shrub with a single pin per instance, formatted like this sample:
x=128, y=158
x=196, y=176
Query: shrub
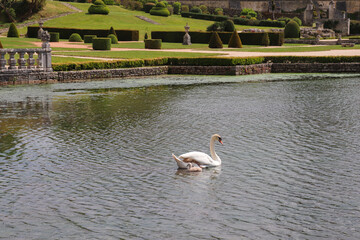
x=218, y=11
x=265, y=41
x=217, y=26
x=148, y=7
x=98, y=8
x=89, y=38
x=229, y=26
x=54, y=36
x=113, y=38
x=160, y=10
x=13, y=32
x=1, y=46
x=109, y=2
x=284, y=19
x=170, y=9
x=297, y=20
x=153, y=43
x=184, y=8
x=177, y=7
x=235, y=41
x=146, y=36
x=196, y=10
x=276, y=39
x=101, y=44
x=204, y=9
x=123, y=35
x=136, y=5
x=75, y=37
x=292, y=30
x=248, y=12
x=215, y=41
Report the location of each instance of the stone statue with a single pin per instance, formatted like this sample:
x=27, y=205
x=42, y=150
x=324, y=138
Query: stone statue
x=41, y=23
x=187, y=38
x=45, y=38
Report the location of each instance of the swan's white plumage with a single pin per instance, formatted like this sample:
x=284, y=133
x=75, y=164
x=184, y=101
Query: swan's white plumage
x=200, y=158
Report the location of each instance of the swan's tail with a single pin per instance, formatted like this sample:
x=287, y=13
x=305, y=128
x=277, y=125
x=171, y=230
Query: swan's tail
x=180, y=163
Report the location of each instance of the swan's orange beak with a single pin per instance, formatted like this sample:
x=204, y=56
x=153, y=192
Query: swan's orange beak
x=220, y=141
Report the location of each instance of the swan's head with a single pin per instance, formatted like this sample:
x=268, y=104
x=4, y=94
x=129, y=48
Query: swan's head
x=218, y=138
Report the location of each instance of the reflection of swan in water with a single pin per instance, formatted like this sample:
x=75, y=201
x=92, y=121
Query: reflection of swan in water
x=201, y=159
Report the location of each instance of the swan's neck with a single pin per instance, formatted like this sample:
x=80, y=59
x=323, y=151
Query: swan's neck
x=213, y=154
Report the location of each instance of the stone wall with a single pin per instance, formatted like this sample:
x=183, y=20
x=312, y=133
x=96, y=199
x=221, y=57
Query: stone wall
x=315, y=68
x=75, y=76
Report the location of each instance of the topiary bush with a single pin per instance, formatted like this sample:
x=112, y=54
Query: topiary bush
x=148, y=7
x=89, y=38
x=153, y=43
x=109, y=2
x=98, y=7
x=54, y=36
x=112, y=31
x=229, y=26
x=101, y=44
x=184, y=8
x=292, y=30
x=215, y=41
x=75, y=37
x=235, y=41
x=1, y=46
x=13, y=32
x=160, y=10
x=265, y=40
x=113, y=38
x=177, y=7
x=196, y=10
x=297, y=20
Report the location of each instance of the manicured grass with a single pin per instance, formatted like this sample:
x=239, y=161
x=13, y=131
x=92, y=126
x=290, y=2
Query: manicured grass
x=121, y=18
x=135, y=54
x=70, y=60
x=18, y=42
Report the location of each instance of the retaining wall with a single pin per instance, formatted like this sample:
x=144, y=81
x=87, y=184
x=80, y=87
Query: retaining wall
x=73, y=76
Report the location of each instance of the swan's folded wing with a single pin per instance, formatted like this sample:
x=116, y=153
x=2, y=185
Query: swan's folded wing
x=199, y=158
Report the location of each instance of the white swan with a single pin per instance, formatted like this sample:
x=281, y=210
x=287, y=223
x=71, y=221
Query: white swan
x=201, y=159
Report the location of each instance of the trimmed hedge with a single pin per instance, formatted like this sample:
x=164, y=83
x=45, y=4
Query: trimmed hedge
x=101, y=44
x=216, y=18
x=204, y=37
x=54, y=37
x=159, y=11
x=152, y=43
x=98, y=7
x=209, y=61
x=292, y=30
x=65, y=33
x=235, y=41
x=110, y=64
x=89, y=38
x=266, y=23
x=215, y=41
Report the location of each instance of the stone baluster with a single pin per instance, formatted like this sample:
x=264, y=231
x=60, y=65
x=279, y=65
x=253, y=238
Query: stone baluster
x=40, y=60
x=31, y=60
x=21, y=61
x=2, y=61
x=12, y=60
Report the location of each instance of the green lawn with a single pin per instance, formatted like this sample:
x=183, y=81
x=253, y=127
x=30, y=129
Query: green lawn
x=135, y=54
x=121, y=18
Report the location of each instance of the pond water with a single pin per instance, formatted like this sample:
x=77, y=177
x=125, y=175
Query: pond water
x=93, y=160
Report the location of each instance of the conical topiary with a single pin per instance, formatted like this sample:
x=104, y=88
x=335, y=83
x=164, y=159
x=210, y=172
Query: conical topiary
x=1, y=46
x=265, y=40
x=235, y=41
x=13, y=32
x=215, y=41
x=112, y=31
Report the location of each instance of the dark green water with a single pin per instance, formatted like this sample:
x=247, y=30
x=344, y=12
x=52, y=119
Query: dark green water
x=93, y=160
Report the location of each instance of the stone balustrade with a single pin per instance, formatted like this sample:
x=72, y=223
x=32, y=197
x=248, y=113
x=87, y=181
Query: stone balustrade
x=26, y=60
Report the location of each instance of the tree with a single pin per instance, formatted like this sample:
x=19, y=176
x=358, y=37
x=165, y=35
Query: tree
x=32, y=6
x=6, y=6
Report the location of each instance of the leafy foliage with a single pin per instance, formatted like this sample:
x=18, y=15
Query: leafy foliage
x=101, y=43
x=54, y=36
x=177, y=7
x=153, y=43
x=113, y=38
x=98, y=8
